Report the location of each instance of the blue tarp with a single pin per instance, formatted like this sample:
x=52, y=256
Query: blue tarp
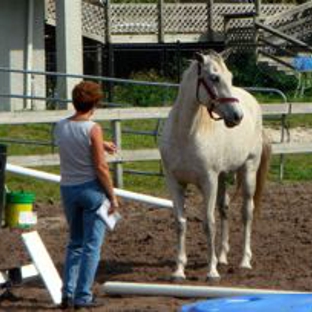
x=254, y=303
x=303, y=63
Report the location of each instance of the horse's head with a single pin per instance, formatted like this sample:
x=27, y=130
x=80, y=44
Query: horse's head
x=214, y=89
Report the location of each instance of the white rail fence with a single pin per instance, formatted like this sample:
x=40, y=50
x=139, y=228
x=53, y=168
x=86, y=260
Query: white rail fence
x=123, y=114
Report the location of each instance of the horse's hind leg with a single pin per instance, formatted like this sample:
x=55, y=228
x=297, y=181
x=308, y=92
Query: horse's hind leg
x=249, y=174
x=177, y=192
x=223, y=205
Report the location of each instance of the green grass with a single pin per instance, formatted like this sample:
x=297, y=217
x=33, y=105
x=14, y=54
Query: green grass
x=297, y=167
x=299, y=121
x=148, y=184
x=34, y=132
x=45, y=191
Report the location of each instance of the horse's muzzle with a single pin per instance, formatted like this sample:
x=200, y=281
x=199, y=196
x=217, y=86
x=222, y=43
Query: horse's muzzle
x=235, y=120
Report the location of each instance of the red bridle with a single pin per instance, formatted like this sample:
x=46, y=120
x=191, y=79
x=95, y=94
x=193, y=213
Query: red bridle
x=213, y=97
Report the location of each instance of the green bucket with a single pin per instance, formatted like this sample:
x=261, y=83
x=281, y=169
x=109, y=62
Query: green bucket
x=19, y=209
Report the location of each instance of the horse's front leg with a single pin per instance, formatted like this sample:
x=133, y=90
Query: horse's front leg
x=210, y=193
x=177, y=192
x=249, y=186
x=223, y=205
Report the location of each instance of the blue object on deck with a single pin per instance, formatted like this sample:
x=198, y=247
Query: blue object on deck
x=254, y=303
x=303, y=63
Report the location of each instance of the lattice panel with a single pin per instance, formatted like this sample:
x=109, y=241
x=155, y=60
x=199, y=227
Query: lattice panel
x=219, y=10
x=234, y=24
x=290, y=18
x=241, y=35
x=241, y=30
x=241, y=38
x=50, y=9
x=186, y=17
x=93, y=20
x=132, y=18
x=272, y=9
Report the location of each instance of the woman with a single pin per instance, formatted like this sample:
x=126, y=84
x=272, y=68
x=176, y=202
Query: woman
x=85, y=181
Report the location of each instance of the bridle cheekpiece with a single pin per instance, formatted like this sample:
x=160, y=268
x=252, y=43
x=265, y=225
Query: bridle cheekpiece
x=214, y=99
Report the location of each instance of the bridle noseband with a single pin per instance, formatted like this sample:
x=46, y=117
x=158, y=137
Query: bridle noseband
x=213, y=97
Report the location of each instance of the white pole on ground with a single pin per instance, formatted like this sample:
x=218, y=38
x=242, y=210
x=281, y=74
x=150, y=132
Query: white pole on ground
x=165, y=203
x=28, y=271
x=184, y=291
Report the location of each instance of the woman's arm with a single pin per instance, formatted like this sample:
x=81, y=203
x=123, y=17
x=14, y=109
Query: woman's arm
x=101, y=166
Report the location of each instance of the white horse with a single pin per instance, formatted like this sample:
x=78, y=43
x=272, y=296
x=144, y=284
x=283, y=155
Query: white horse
x=214, y=128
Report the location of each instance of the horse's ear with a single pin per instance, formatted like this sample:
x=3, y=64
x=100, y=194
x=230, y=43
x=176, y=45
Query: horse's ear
x=226, y=53
x=199, y=57
x=213, y=53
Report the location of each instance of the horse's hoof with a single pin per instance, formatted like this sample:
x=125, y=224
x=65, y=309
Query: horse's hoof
x=178, y=277
x=213, y=277
x=223, y=261
x=245, y=265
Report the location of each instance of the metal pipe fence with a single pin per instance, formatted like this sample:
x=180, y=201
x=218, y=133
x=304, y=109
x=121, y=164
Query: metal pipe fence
x=116, y=129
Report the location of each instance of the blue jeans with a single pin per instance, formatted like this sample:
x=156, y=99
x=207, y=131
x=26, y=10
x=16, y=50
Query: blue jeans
x=86, y=235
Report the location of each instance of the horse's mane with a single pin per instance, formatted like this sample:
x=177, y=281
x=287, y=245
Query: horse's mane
x=184, y=79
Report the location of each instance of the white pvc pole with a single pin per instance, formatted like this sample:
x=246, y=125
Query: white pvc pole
x=183, y=291
x=165, y=203
x=28, y=271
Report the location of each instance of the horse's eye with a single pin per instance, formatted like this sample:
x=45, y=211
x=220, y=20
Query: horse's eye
x=214, y=78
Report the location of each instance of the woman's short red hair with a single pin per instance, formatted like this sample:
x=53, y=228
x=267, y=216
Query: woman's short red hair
x=86, y=96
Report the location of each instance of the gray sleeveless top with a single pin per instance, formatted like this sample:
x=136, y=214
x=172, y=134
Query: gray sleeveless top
x=73, y=140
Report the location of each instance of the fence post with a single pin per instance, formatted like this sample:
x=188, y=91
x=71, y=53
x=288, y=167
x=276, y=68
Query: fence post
x=99, y=61
x=107, y=21
x=110, y=51
x=225, y=31
x=178, y=50
x=118, y=168
x=161, y=33
x=258, y=8
x=257, y=18
x=3, y=156
x=210, y=19
x=111, y=71
x=282, y=156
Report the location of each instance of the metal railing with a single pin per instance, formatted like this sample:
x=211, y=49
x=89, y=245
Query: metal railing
x=115, y=124
x=116, y=121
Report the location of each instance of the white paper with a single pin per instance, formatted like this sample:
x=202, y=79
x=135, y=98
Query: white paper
x=109, y=219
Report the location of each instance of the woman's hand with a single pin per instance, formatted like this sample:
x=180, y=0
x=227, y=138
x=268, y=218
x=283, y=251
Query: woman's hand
x=114, y=206
x=110, y=147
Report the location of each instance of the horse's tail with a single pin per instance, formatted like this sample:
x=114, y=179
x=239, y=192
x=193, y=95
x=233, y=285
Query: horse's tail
x=262, y=171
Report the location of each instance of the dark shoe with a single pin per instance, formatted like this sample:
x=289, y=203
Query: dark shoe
x=66, y=303
x=96, y=302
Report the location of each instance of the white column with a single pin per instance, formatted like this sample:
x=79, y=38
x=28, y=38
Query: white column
x=19, y=51
x=29, y=54
x=68, y=45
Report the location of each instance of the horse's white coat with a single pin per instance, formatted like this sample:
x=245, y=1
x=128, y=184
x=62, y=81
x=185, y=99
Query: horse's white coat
x=198, y=149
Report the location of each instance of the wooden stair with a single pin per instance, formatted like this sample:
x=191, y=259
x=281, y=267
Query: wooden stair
x=292, y=39
x=277, y=39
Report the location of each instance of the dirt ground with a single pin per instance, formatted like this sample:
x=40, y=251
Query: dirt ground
x=142, y=249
